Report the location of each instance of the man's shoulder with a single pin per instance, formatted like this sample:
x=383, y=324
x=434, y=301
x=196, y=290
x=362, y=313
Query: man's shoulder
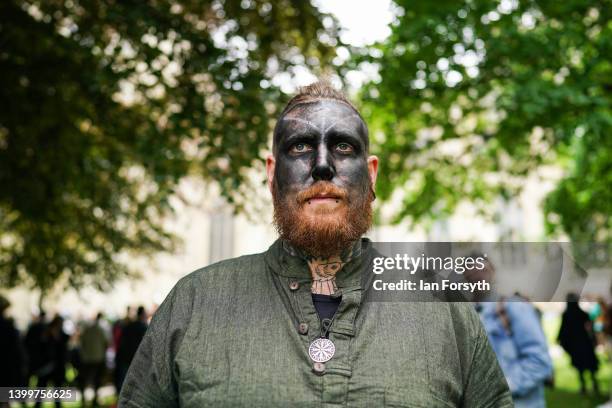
x=220, y=274
x=238, y=264
x=464, y=314
x=457, y=311
x=216, y=285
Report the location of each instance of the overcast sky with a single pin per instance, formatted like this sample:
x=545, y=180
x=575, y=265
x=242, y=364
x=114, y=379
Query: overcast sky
x=363, y=22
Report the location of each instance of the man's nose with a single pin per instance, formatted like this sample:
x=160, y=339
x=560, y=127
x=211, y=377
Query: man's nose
x=324, y=167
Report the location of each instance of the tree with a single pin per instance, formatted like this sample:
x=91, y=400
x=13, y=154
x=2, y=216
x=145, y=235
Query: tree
x=108, y=105
x=476, y=95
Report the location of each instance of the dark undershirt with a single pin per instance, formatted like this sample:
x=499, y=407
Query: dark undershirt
x=326, y=305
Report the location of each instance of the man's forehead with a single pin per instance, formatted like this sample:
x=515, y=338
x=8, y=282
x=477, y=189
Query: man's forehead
x=322, y=116
x=322, y=110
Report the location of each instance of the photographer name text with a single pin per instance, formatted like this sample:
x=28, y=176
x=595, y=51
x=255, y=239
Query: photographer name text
x=423, y=285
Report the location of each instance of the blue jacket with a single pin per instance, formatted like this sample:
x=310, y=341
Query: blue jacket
x=520, y=347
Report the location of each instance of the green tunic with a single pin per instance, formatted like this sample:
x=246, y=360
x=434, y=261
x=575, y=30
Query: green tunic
x=230, y=335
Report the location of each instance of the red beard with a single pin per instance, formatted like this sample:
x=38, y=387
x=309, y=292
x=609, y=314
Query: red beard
x=325, y=232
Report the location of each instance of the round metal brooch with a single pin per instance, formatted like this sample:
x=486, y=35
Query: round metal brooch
x=321, y=350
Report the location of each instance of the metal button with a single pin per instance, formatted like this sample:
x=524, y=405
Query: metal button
x=303, y=328
x=318, y=368
x=294, y=285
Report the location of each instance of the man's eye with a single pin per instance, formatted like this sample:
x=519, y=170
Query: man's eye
x=300, y=148
x=344, y=148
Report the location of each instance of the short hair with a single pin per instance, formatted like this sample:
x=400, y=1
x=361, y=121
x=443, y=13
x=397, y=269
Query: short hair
x=309, y=94
x=315, y=92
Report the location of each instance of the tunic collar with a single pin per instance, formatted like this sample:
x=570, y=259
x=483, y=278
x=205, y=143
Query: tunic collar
x=285, y=261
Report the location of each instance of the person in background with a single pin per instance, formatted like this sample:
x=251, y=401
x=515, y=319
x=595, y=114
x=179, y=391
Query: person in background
x=55, y=346
x=120, y=324
x=13, y=372
x=34, y=345
x=576, y=338
x=93, y=344
x=516, y=335
x=131, y=336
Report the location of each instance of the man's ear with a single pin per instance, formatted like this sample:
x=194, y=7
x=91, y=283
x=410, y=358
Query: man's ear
x=270, y=164
x=373, y=169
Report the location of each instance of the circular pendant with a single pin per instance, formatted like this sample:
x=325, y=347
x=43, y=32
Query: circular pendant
x=321, y=350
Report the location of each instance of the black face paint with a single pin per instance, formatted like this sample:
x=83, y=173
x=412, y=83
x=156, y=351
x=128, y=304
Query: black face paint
x=321, y=141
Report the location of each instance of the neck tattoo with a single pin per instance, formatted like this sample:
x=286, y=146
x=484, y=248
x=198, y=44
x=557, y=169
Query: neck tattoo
x=323, y=271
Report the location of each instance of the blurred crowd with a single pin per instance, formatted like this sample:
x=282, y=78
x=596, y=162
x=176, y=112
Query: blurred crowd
x=93, y=353
x=60, y=352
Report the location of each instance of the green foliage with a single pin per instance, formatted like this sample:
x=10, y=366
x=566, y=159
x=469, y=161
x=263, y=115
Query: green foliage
x=476, y=95
x=107, y=105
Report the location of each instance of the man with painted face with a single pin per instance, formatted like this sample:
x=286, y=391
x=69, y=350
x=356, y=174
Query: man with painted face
x=292, y=326
x=321, y=180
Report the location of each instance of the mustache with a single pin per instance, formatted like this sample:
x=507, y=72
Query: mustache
x=322, y=189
